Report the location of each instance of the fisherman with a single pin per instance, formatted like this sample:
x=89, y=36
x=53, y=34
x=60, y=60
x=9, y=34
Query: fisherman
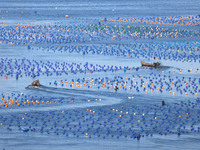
x=116, y=88
x=156, y=64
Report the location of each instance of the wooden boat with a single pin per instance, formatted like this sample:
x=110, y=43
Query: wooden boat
x=35, y=83
x=155, y=65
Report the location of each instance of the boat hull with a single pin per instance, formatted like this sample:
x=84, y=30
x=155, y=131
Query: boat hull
x=150, y=64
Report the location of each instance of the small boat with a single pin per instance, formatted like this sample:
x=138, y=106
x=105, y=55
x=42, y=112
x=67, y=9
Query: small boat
x=155, y=64
x=35, y=83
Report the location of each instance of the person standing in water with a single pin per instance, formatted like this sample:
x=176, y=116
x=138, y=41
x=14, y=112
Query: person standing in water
x=116, y=88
